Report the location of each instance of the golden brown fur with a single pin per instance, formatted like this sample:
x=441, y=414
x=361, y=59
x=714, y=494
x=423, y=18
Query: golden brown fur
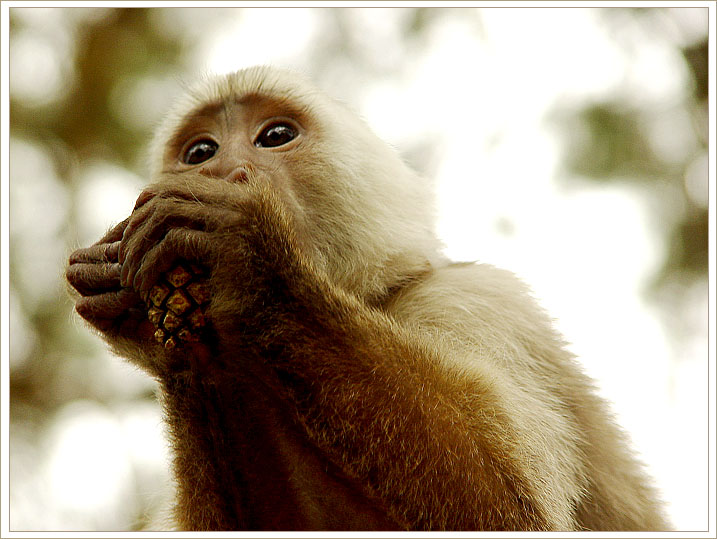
x=355, y=379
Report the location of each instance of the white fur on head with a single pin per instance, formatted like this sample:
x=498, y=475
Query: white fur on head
x=369, y=216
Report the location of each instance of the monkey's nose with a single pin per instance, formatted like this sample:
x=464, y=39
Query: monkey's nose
x=238, y=175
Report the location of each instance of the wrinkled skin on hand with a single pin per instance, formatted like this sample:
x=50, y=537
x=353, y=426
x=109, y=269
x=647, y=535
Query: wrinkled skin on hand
x=117, y=312
x=185, y=220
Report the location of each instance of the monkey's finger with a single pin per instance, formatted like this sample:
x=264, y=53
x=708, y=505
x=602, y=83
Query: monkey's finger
x=92, y=279
x=178, y=244
x=199, y=189
x=98, y=253
x=144, y=197
x=114, y=234
x=165, y=192
x=153, y=222
x=191, y=212
x=106, y=307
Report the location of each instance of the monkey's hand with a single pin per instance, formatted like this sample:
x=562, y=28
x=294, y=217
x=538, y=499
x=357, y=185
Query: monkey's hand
x=117, y=312
x=194, y=222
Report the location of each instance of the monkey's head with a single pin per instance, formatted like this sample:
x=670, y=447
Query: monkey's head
x=366, y=217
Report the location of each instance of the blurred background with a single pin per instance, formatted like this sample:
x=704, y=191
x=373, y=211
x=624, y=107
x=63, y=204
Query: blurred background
x=568, y=145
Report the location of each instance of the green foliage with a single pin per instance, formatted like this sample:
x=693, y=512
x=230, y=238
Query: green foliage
x=122, y=44
x=612, y=145
x=616, y=147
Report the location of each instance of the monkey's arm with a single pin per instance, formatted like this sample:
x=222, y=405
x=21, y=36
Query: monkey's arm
x=436, y=447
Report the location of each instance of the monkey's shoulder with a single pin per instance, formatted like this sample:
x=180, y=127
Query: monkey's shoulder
x=469, y=301
x=466, y=287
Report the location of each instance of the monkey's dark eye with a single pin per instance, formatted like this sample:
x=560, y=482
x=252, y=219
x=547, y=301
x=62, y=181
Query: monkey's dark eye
x=275, y=135
x=200, y=151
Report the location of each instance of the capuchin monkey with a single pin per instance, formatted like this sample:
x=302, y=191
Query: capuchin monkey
x=337, y=372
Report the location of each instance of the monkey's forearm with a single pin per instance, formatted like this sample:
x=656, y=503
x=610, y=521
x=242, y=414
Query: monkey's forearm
x=384, y=409
x=365, y=366
x=243, y=461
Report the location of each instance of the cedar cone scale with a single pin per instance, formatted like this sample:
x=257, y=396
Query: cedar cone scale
x=177, y=305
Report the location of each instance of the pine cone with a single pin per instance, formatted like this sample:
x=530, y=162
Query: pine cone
x=177, y=305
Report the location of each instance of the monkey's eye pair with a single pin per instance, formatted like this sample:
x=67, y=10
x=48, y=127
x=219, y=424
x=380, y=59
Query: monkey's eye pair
x=202, y=150
x=275, y=135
